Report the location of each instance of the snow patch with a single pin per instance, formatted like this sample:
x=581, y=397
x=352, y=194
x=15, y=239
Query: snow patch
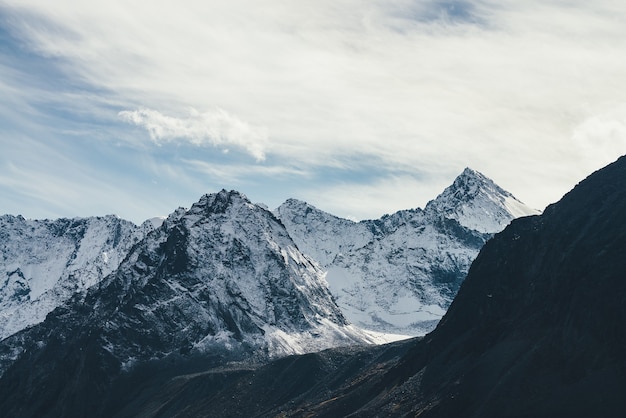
x=518, y=209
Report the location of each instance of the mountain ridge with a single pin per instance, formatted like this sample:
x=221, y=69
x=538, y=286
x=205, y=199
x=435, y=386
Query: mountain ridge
x=45, y=262
x=26, y=299
x=398, y=274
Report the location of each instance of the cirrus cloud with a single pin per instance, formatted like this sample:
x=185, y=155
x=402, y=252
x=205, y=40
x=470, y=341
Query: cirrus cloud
x=601, y=136
x=388, y=94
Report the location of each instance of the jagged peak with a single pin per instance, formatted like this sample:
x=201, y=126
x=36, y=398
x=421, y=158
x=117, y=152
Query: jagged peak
x=468, y=171
x=297, y=203
x=12, y=218
x=219, y=202
x=471, y=181
x=223, y=195
x=294, y=201
x=305, y=209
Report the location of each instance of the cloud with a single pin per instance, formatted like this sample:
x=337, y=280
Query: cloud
x=239, y=173
x=601, y=136
x=431, y=86
x=217, y=128
x=377, y=197
x=404, y=14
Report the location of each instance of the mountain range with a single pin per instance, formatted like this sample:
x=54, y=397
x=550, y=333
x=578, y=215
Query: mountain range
x=537, y=329
x=394, y=275
x=221, y=282
x=398, y=274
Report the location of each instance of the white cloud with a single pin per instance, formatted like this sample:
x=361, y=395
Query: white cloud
x=215, y=127
x=235, y=174
x=601, y=137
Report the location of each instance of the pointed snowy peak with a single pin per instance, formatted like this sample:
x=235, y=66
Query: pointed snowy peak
x=468, y=186
x=299, y=205
x=291, y=202
x=300, y=212
x=477, y=203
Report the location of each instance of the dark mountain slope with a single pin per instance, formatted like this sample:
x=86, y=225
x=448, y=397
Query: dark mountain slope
x=539, y=325
x=538, y=329
x=286, y=387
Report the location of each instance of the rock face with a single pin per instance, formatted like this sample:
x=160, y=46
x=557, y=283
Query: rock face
x=221, y=280
x=538, y=329
x=398, y=274
x=44, y=263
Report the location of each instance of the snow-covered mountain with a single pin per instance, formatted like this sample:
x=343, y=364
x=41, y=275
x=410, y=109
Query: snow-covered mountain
x=221, y=277
x=43, y=263
x=479, y=204
x=398, y=274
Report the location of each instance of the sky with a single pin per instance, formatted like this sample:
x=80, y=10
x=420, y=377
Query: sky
x=360, y=108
